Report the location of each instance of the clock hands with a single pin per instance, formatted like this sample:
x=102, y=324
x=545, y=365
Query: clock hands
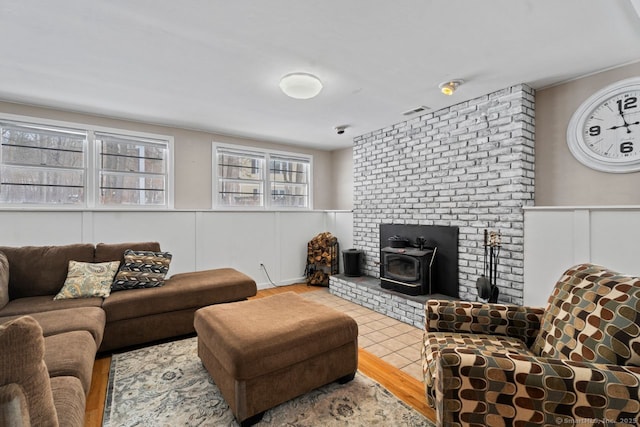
x=625, y=125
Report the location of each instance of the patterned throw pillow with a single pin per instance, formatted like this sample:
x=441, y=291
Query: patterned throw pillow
x=142, y=269
x=87, y=279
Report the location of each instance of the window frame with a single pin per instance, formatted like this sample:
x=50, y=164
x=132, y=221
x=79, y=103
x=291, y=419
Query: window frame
x=267, y=154
x=92, y=168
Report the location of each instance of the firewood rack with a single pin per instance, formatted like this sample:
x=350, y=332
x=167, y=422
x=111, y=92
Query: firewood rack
x=322, y=259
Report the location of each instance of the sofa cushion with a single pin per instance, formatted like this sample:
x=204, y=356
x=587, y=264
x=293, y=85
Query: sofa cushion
x=22, y=362
x=88, y=279
x=592, y=316
x=90, y=319
x=180, y=292
x=41, y=270
x=115, y=251
x=31, y=305
x=4, y=280
x=142, y=269
x=71, y=354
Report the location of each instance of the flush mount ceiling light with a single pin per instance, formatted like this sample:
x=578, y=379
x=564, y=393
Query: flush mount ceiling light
x=300, y=85
x=449, y=87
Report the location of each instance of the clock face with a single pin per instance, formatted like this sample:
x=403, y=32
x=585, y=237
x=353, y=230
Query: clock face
x=604, y=133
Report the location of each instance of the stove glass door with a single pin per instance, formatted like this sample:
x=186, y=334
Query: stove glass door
x=402, y=267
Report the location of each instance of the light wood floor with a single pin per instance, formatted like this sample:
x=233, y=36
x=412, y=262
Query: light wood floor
x=404, y=386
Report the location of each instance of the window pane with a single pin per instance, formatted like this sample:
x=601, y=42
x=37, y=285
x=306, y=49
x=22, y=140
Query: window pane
x=238, y=193
x=40, y=186
x=240, y=166
x=131, y=155
x=131, y=189
x=288, y=170
x=35, y=146
x=289, y=195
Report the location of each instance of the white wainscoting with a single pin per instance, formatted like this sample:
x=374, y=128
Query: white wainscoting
x=556, y=238
x=198, y=240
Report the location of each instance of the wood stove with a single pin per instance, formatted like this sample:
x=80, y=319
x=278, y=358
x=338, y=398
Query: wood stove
x=426, y=262
x=407, y=270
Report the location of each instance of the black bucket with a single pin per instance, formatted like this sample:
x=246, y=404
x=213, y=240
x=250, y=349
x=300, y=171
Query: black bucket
x=351, y=258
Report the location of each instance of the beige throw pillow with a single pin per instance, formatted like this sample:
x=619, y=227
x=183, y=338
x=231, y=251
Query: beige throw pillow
x=87, y=279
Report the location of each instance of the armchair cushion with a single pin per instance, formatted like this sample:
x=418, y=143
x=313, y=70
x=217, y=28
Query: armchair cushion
x=593, y=315
x=476, y=387
x=436, y=342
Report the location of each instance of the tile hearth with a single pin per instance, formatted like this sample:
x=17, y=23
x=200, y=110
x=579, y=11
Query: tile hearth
x=367, y=292
x=389, y=339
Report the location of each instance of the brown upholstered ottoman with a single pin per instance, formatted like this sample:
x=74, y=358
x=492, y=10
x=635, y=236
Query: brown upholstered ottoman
x=263, y=352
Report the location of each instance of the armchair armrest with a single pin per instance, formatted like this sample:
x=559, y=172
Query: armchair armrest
x=482, y=388
x=481, y=318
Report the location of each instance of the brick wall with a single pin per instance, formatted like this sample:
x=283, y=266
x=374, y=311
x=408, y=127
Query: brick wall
x=470, y=165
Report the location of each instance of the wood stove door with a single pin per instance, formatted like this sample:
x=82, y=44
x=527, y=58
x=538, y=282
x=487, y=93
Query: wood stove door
x=403, y=268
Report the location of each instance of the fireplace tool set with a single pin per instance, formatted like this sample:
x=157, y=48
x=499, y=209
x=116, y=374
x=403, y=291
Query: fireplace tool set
x=486, y=283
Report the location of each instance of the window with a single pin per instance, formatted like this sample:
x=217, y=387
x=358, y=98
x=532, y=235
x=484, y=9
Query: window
x=42, y=165
x=263, y=179
x=48, y=164
x=131, y=171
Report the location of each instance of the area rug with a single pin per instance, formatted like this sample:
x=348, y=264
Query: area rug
x=166, y=385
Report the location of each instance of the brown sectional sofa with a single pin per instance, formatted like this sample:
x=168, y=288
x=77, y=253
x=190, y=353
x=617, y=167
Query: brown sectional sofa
x=74, y=330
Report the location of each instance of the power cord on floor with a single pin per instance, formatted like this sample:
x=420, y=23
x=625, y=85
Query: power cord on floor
x=264, y=267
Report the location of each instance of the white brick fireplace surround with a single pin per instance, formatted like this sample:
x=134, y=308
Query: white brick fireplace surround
x=470, y=165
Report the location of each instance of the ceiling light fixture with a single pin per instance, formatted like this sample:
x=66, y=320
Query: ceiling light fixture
x=300, y=85
x=449, y=87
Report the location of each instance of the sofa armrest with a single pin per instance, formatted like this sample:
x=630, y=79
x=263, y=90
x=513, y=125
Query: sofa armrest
x=481, y=318
x=14, y=411
x=482, y=388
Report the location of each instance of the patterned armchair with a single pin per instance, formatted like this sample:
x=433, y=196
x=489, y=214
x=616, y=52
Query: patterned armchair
x=575, y=363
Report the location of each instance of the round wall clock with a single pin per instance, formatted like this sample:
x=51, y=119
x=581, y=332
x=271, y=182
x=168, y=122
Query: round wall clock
x=604, y=132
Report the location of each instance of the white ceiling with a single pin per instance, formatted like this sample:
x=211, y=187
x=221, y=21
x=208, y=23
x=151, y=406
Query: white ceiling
x=215, y=65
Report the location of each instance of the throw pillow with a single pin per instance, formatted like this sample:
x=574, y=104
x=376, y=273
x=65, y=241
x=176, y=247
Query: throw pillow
x=22, y=362
x=87, y=279
x=142, y=269
x=4, y=280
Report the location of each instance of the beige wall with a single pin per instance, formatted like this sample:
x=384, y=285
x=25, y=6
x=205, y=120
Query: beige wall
x=342, y=167
x=192, y=153
x=560, y=179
